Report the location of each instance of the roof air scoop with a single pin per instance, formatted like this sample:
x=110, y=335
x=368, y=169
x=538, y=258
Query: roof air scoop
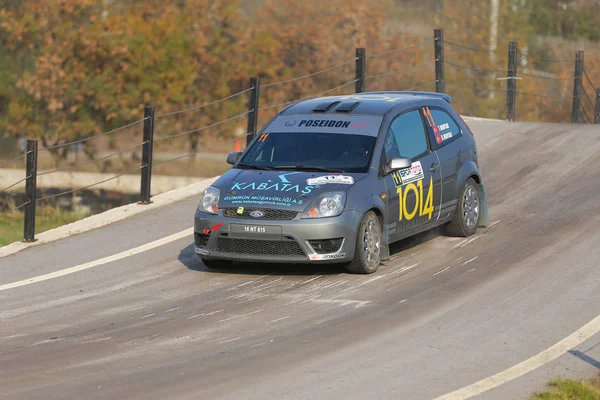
x=347, y=107
x=324, y=107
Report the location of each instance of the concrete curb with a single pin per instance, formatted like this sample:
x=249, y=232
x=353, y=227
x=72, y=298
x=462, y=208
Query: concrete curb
x=108, y=217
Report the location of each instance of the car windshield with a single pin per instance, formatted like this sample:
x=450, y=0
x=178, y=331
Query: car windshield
x=310, y=151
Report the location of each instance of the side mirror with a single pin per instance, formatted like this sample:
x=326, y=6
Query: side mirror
x=232, y=158
x=399, y=163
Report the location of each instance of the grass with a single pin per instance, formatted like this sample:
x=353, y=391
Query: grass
x=11, y=225
x=567, y=389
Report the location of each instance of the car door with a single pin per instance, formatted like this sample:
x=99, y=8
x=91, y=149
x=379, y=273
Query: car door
x=413, y=194
x=445, y=132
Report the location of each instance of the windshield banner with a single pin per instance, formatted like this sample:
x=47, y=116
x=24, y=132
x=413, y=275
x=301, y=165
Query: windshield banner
x=353, y=125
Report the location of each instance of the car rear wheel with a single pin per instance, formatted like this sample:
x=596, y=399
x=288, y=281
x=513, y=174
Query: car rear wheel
x=216, y=264
x=368, y=246
x=466, y=218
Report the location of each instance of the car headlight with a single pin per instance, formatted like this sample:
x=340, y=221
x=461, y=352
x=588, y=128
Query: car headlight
x=210, y=200
x=326, y=205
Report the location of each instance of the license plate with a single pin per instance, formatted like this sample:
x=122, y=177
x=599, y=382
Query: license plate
x=261, y=231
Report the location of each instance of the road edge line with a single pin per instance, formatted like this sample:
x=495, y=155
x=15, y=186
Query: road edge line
x=108, y=217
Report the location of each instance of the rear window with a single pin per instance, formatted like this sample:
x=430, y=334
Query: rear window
x=443, y=125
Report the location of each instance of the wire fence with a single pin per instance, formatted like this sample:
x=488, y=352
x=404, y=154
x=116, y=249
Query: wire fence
x=6, y=164
x=480, y=75
x=56, y=146
x=207, y=104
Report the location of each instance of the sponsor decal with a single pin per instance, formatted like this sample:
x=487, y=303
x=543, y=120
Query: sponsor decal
x=324, y=123
x=446, y=136
x=423, y=205
x=408, y=175
x=257, y=214
x=201, y=251
x=432, y=125
x=207, y=231
x=361, y=125
x=443, y=126
x=323, y=180
x=290, y=123
x=263, y=200
x=320, y=257
x=240, y=210
x=283, y=186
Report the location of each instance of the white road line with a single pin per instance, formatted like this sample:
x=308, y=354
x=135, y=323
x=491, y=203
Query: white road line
x=278, y=319
x=493, y=223
x=101, y=261
x=405, y=269
x=97, y=340
x=461, y=243
x=240, y=316
x=471, y=260
x=441, y=271
x=551, y=353
x=311, y=279
x=172, y=309
x=452, y=264
x=148, y=316
x=45, y=341
x=366, y=282
x=230, y=340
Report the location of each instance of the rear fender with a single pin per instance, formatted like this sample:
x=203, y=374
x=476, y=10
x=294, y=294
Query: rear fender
x=469, y=169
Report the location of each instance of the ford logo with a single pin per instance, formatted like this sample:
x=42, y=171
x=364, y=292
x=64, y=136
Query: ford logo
x=257, y=214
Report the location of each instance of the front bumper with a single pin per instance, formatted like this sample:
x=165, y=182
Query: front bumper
x=281, y=241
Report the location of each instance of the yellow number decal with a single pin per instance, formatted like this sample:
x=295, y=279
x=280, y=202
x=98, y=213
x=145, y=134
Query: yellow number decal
x=420, y=208
x=409, y=187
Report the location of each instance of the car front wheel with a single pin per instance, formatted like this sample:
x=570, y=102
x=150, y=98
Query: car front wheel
x=368, y=246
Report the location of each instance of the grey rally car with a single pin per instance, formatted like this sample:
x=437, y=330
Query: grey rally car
x=337, y=179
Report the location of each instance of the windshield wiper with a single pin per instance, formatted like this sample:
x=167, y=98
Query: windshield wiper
x=307, y=168
x=254, y=166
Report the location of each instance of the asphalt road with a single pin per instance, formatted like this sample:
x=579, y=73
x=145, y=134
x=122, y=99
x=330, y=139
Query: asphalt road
x=442, y=314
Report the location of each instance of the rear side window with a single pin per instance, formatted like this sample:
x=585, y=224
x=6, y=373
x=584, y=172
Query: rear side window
x=443, y=125
x=406, y=137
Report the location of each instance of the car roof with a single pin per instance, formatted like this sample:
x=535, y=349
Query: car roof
x=367, y=103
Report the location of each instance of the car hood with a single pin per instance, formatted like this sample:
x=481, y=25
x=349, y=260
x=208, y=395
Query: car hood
x=288, y=190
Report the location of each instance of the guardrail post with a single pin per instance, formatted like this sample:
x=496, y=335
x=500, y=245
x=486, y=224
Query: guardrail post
x=597, y=116
x=30, y=191
x=147, y=148
x=361, y=70
x=253, y=109
x=440, y=76
x=511, y=82
x=577, y=87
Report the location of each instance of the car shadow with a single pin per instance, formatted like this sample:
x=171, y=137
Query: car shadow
x=189, y=258
x=416, y=240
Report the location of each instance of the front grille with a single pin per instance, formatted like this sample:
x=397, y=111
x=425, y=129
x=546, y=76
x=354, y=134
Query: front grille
x=258, y=247
x=269, y=213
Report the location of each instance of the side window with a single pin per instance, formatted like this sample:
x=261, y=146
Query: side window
x=443, y=125
x=406, y=137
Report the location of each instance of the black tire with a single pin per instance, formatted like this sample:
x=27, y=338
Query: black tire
x=466, y=218
x=368, y=238
x=216, y=264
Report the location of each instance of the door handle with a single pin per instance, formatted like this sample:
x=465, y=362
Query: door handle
x=433, y=167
